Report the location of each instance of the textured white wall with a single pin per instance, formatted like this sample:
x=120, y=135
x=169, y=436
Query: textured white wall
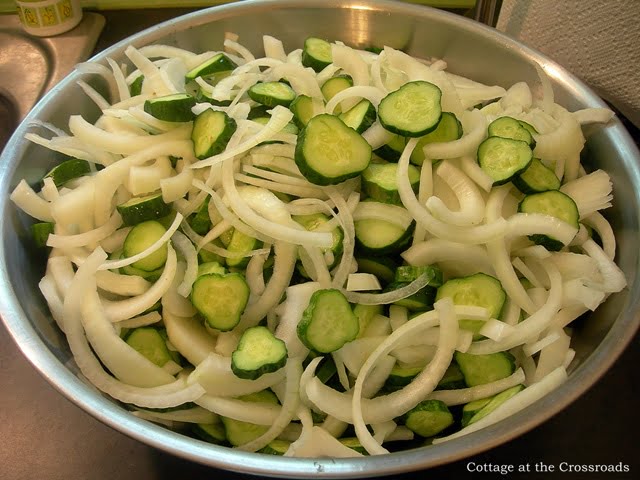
x=599, y=41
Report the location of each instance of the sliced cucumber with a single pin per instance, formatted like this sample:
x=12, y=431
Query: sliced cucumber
x=392, y=150
x=68, y=170
x=136, y=86
x=507, y=127
x=354, y=444
x=556, y=204
x=428, y=418
x=314, y=222
x=328, y=152
x=200, y=221
x=490, y=406
x=379, y=237
x=379, y=182
x=481, y=369
x=480, y=290
x=328, y=322
x=220, y=299
x=536, y=178
x=171, y=108
x=258, y=352
x=413, y=110
x=276, y=447
x=151, y=276
x=288, y=128
x=240, y=243
x=335, y=85
x=211, y=267
x=212, y=130
x=452, y=378
x=382, y=267
x=360, y=117
x=203, y=97
x=216, y=64
x=149, y=342
x=316, y=53
x=40, y=233
x=141, y=209
x=471, y=408
x=401, y=376
x=141, y=237
x=449, y=129
x=364, y=314
x=272, y=94
x=409, y=273
x=238, y=432
x=420, y=301
x=302, y=108
x=210, y=432
x=503, y=158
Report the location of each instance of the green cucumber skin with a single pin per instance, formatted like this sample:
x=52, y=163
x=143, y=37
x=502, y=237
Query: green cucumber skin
x=507, y=176
x=181, y=113
x=399, y=127
x=309, y=60
x=217, y=145
x=245, y=345
x=309, y=173
x=67, y=171
x=151, y=209
x=546, y=241
x=396, y=247
x=216, y=64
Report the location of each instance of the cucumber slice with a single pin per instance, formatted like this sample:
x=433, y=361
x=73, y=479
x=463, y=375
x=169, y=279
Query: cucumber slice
x=210, y=432
x=314, y=222
x=216, y=64
x=382, y=267
x=420, y=301
x=276, y=447
x=428, y=418
x=203, y=97
x=556, y=204
x=139, y=238
x=503, y=158
x=328, y=152
x=302, y=108
x=220, y=299
x=316, y=53
x=449, y=129
x=413, y=110
x=527, y=126
x=409, y=273
x=536, y=178
x=238, y=432
x=507, y=127
x=378, y=237
x=359, y=117
x=258, y=352
x=211, y=267
x=354, y=444
x=40, y=233
x=205, y=256
x=272, y=94
x=401, y=376
x=471, y=408
x=379, y=182
x=240, y=243
x=288, y=128
x=68, y=170
x=171, y=108
x=481, y=369
x=392, y=150
x=136, y=86
x=490, y=406
x=328, y=322
x=364, y=314
x=212, y=130
x=200, y=221
x=141, y=209
x=149, y=342
x=480, y=290
x=335, y=85
x=452, y=378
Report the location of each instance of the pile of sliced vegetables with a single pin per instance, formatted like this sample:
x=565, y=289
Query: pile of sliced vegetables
x=327, y=252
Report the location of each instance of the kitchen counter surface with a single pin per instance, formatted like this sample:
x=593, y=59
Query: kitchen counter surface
x=44, y=436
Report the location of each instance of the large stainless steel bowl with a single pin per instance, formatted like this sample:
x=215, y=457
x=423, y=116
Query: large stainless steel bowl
x=470, y=49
